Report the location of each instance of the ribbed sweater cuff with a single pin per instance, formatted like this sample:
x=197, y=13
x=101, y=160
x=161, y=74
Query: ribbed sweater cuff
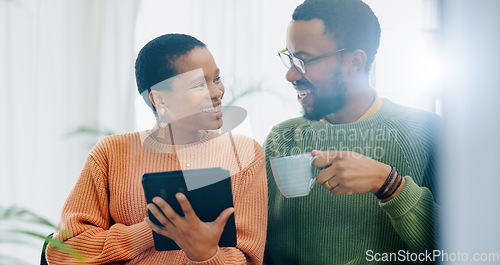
x=142, y=236
x=404, y=201
x=214, y=260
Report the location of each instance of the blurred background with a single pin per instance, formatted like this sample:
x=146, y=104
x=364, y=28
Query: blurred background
x=67, y=80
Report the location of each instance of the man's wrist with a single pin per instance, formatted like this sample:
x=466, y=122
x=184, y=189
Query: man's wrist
x=392, y=185
x=381, y=178
x=398, y=190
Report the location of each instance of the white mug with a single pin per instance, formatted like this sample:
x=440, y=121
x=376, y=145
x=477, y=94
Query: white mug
x=294, y=174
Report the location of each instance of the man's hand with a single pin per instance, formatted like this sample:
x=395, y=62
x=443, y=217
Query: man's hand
x=197, y=239
x=349, y=172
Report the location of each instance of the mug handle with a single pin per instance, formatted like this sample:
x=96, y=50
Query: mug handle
x=313, y=179
x=313, y=158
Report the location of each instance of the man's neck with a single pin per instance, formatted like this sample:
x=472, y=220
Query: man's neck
x=355, y=106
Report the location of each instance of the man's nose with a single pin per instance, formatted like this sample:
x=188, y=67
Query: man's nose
x=293, y=75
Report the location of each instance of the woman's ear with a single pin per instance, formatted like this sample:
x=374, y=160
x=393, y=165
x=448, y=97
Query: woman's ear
x=358, y=61
x=156, y=99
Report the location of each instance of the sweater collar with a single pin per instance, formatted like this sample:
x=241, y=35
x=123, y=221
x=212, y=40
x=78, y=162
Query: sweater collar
x=151, y=145
x=374, y=108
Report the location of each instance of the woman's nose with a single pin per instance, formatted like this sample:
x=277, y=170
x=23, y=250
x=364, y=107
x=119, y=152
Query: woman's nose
x=215, y=91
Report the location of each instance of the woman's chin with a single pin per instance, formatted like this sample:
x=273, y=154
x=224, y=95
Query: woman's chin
x=214, y=124
x=219, y=123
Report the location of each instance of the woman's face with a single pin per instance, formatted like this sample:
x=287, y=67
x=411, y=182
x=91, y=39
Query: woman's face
x=194, y=100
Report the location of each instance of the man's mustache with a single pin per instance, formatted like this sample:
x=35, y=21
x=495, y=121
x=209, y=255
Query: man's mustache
x=303, y=83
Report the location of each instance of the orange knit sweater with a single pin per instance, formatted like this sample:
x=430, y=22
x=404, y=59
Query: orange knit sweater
x=106, y=208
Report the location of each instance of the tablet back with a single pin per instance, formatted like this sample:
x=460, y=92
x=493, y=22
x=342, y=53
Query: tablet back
x=208, y=190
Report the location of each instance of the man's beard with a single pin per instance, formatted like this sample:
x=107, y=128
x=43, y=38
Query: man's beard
x=329, y=102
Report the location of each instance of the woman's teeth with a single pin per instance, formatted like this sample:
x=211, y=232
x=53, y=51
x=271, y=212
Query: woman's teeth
x=303, y=93
x=212, y=110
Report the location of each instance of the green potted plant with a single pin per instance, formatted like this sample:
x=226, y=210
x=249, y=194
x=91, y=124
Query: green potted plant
x=16, y=224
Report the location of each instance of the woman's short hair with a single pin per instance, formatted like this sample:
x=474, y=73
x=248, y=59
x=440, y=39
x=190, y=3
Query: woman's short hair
x=157, y=60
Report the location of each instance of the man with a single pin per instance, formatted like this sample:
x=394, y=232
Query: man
x=365, y=146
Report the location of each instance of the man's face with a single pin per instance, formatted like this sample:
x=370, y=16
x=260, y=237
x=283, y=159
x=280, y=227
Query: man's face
x=321, y=91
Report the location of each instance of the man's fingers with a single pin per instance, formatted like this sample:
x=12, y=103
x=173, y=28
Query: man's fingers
x=327, y=185
x=326, y=158
x=326, y=174
x=320, y=161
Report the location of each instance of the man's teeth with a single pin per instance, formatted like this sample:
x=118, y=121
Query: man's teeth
x=212, y=110
x=303, y=93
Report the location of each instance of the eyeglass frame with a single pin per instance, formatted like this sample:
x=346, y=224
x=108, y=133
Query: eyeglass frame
x=304, y=61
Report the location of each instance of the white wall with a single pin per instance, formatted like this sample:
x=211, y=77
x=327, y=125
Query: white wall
x=63, y=64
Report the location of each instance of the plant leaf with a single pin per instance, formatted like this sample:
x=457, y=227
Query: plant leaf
x=88, y=130
x=16, y=213
x=56, y=243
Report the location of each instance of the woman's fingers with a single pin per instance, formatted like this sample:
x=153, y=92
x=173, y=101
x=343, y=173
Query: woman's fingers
x=189, y=213
x=196, y=238
x=158, y=229
x=221, y=221
x=163, y=212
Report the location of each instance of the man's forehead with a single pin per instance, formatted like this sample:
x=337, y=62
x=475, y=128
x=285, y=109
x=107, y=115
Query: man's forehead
x=304, y=35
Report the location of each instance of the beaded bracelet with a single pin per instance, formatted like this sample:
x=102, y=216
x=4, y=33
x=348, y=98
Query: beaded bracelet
x=386, y=183
x=392, y=189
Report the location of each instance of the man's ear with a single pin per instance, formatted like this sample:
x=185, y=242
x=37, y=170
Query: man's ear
x=358, y=61
x=156, y=99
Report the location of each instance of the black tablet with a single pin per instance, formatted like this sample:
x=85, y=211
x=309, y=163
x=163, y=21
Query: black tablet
x=208, y=190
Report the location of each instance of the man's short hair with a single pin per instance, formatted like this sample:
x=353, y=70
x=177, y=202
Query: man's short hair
x=156, y=60
x=351, y=23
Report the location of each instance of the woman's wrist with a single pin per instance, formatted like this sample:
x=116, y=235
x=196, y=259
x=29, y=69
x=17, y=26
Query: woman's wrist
x=205, y=255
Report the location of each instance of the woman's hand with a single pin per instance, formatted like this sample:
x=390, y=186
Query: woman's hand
x=199, y=240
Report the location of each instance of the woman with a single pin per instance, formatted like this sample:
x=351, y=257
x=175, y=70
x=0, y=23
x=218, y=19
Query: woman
x=106, y=212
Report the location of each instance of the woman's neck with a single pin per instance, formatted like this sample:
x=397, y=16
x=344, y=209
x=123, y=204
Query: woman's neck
x=174, y=136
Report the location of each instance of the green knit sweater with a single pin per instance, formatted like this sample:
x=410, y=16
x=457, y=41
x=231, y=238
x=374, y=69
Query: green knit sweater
x=322, y=228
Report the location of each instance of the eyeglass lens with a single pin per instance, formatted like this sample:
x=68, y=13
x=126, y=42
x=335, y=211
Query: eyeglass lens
x=288, y=60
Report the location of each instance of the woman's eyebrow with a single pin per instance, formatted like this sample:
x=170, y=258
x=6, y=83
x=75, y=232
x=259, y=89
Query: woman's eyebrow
x=217, y=71
x=198, y=79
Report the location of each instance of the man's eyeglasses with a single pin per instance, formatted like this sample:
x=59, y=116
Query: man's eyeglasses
x=300, y=64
